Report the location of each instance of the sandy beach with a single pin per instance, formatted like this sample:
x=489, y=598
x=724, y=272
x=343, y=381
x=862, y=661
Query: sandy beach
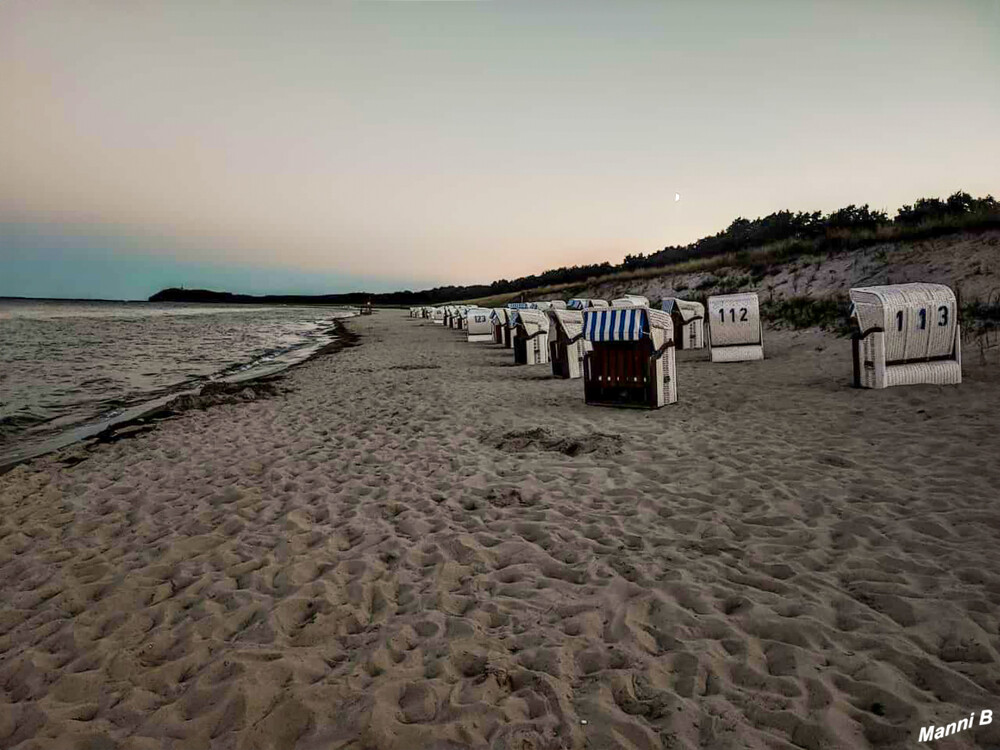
x=419, y=545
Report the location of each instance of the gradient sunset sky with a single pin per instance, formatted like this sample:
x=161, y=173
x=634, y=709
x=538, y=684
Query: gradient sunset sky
x=336, y=146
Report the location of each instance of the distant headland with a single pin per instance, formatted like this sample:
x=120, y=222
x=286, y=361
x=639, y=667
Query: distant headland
x=207, y=295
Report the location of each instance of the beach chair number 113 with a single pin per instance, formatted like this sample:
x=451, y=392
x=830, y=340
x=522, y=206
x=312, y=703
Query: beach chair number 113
x=732, y=314
x=922, y=318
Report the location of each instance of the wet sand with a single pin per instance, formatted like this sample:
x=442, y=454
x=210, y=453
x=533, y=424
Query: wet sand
x=421, y=545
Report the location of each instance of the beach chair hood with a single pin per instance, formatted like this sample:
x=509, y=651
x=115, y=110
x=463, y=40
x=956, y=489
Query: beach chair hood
x=919, y=319
x=532, y=320
x=687, y=310
x=570, y=322
x=630, y=300
x=625, y=324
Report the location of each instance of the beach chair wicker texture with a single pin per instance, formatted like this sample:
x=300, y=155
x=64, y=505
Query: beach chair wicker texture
x=630, y=300
x=582, y=303
x=632, y=361
x=498, y=318
x=689, y=322
x=531, y=337
x=908, y=334
x=479, y=327
x=567, y=345
x=735, y=333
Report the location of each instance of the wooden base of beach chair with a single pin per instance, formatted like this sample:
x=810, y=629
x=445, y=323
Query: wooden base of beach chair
x=737, y=353
x=480, y=338
x=625, y=373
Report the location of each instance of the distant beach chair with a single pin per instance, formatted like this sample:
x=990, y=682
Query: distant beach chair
x=438, y=315
x=689, y=322
x=566, y=343
x=907, y=334
x=735, y=333
x=630, y=300
x=633, y=362
x=530, y=337
x=551, y=304
x=366, y=309
x=478, y=326
x=582, y=303
x=501, y=333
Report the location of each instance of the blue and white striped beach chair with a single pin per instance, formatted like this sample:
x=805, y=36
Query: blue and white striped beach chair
x=633, y=361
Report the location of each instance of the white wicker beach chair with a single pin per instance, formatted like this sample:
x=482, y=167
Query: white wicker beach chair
x=735, y=333
x=583, y=303
x=689, y=322
x=498, y=319
x=567, y=345
x=632, y=361
x=531, y=337
x=630, y=300
x=478, y=327
x=438, y=315
x=908, y=334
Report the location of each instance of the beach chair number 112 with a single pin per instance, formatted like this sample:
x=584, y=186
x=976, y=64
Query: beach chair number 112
x=732, y=314
x=922, y=314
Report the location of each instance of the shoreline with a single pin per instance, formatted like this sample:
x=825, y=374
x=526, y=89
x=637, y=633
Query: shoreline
x=147, y=414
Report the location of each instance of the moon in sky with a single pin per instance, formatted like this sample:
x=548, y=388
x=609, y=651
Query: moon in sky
x=677, y=197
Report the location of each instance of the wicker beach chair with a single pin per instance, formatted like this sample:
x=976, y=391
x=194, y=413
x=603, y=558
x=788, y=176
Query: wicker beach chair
x=438, y=315
x=906, y=334
x=630, y=300
x=498, y=319
x=735, y=333
x=584, y=303
x=689, y=322
x=566, y=343
x=531, y=337
x=478, y=326
x=551, y=304
x=632, y=362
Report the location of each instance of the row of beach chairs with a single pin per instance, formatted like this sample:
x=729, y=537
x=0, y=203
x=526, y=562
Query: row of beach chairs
x=624, y=350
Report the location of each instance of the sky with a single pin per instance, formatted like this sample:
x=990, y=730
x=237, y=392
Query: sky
x=317, y=147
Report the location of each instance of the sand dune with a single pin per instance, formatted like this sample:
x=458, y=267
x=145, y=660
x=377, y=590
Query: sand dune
x=421, y=545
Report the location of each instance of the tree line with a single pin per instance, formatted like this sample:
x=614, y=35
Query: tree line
x=851, y=226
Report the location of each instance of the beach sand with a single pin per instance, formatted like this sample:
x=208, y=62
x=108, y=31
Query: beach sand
x=423, y=546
